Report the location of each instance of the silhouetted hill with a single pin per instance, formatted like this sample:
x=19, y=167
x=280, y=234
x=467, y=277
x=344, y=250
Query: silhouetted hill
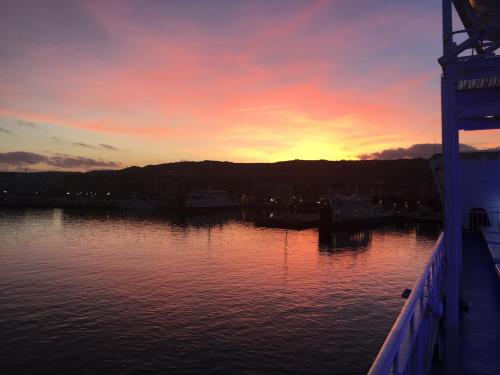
x=408, y=179
x=404, y=171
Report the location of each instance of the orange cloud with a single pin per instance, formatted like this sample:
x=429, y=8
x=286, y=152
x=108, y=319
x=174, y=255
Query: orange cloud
x=288, y=84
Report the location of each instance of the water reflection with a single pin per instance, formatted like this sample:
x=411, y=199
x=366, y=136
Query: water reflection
x=334, y=241
x=428, y=229
x=424, y=229
x=175, y=218
x=331, y=242
x=116, y=291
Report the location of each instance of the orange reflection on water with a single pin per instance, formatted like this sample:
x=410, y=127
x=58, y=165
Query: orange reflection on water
x=174, y=291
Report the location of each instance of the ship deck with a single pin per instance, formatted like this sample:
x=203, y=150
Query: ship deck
x=480, y=323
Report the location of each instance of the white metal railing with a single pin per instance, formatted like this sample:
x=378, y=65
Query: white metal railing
x=474, y=218
x=408, y=349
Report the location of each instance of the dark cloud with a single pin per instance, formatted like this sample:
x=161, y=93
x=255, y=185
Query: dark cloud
x=84, y=145
x=421, y=150
x=18, y=158
x=5, y=131
x=64, y=161
x=27, y=124
x=22, y=158
x=108, y=147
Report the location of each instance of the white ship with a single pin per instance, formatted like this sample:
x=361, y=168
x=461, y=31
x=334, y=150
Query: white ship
x=352, y=207
x=207, y=199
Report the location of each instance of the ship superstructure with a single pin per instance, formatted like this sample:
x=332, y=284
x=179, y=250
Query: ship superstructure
x=453, y=311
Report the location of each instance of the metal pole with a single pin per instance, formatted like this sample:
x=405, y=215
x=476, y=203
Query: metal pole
x=451, y=164
x=447, y=27
x=451, y=223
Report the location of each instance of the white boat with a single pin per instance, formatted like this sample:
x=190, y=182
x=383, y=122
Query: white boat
x=352, y=207
x=206, y=199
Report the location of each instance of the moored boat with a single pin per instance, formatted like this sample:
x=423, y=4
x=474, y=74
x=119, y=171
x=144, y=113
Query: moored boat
x=210, y=199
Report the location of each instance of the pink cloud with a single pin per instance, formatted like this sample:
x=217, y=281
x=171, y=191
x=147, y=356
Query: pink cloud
x=191, y=83
x=75, y=123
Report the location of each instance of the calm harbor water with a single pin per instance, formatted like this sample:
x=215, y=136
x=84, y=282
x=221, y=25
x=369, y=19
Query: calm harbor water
x=114, y=292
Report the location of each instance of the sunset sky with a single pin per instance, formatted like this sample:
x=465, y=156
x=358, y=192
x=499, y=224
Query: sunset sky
x=108, y=84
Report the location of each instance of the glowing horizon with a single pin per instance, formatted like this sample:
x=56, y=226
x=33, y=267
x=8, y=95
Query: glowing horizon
x=135, y=84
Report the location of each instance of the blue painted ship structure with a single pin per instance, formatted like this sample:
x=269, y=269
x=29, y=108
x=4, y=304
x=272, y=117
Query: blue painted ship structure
x=450, y=322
